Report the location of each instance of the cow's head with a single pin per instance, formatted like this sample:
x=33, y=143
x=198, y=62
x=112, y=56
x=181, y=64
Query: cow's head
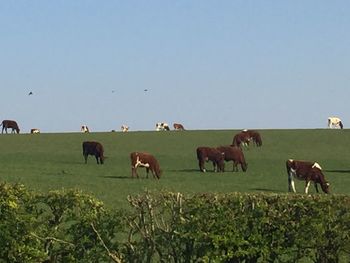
x=244, y=167
x=325, y=187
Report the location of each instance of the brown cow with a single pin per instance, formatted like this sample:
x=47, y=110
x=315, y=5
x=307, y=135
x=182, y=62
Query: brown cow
x=235, y=154
x=9, y=124
x=307, y=171
x=241, y=139
x=142, y=159
x=254, y=136
x=205, y=154
x=178, y=127
x=93, y=148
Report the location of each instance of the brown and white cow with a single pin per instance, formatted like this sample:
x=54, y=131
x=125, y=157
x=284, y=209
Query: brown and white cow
x=307, y=171
x=93, y=148
x=241, y=139
x=146, y=160
x=84, y=129
x=254, y=136
x=34, y=131
x=205, y=154
x=9, y=124
x=234, y=154
x=178, y=127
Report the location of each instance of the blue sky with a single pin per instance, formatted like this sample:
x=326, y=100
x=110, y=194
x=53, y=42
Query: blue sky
x=207, y=64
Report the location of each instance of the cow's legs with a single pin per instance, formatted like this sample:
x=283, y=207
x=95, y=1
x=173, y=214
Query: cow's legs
x=291, y=186
x=134, y=172
x=215, y=167
x=85, y=157
x=316, y=187
x=307, y=185
x=96, y=156
x=147, y=172
x=201, y=166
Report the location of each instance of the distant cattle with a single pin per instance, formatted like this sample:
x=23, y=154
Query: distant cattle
x=241, y=139
x=33, y=131
x=9, y=124
x=335, y=122
x=162, y=126
x=234, y=154
x=124, y=128
x=307, y=171
x=205, y=154
x=95, y=149
x=254, y=136
x=84, y=129
x=146, y=160
x=178, y=127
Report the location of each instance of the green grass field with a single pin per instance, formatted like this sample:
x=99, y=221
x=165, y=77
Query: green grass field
x=54, y=161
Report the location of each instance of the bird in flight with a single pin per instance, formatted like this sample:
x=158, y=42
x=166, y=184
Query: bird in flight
x=145, y=90
x=30, y=93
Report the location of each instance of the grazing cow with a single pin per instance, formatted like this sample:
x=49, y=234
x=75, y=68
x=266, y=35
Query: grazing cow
x=178, y=127
x=162, y=126
x=205, y=154
x=33, y=131
x=235, y=154
x=335, y=122
x=146, y=160
x=93, y=148
x=241, y=139
x=84, y=129
x=254, y=136
x=307, y=171
x=124, y=128
x=9, y=124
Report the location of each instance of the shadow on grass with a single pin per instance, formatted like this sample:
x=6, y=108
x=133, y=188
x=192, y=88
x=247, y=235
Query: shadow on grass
x=116, y=177
x=127, y=177
x=186, y=171
x=344, y=171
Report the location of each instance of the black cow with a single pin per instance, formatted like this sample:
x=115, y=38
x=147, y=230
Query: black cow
x=9, y=124
x=93, y=148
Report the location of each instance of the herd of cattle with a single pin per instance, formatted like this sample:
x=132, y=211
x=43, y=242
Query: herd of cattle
x=302, y=170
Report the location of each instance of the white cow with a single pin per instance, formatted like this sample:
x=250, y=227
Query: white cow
x=335, y=122
x=84, y=129
x=162, y=126
x=124, y=128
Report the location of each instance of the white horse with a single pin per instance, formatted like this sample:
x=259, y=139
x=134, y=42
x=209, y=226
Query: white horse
x=335, y=122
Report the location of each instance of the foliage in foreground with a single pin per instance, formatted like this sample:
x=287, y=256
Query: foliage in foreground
x=70, y=226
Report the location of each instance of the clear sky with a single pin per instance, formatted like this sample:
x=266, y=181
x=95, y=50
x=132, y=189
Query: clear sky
x=206, y=64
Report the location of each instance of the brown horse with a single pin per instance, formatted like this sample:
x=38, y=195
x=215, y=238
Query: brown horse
x=146, y=160
x=9, y=124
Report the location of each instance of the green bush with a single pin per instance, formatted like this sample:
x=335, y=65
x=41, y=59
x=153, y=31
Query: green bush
x=240, y=228
x=70, y=226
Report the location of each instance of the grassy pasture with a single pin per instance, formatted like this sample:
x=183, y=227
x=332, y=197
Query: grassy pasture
x=53, y=161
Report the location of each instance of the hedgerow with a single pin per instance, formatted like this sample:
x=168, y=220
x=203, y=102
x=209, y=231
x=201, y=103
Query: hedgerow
x=71, y=226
